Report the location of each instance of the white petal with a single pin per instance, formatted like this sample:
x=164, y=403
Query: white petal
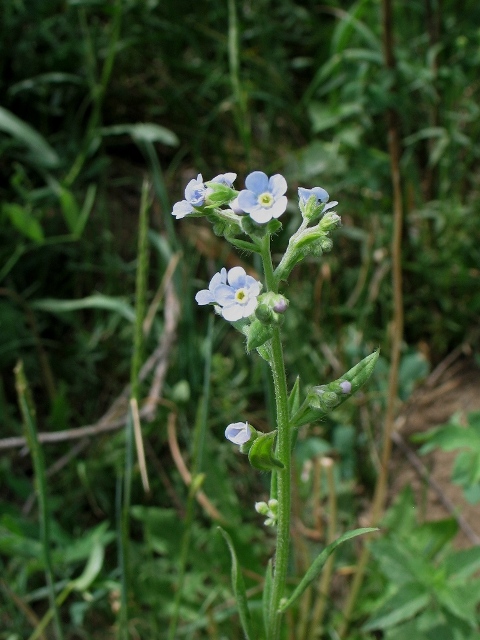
x=261, y=215
x=204, y=297
x=233, y=312
x=238, y=432
x=277, y=185
x=236, y=277
x=250, y=307
x=224, y=295
x=279, y=207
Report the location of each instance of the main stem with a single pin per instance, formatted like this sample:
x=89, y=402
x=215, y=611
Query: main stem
x=283, y=453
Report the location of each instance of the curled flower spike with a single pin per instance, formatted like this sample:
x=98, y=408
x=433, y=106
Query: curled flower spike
x=195, y=193
x=239, y=432
x=321, y=197
x=237, y=299
x=264, y=197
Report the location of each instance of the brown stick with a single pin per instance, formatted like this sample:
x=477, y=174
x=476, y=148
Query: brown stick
x=202, y=499
x=115, y=417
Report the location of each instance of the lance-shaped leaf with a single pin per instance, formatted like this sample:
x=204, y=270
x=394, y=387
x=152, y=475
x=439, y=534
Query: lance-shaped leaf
x=261, y=453
x=294, y=398
x=319, y=562
x=267, y=596
x=323, y=399
x=238, y=587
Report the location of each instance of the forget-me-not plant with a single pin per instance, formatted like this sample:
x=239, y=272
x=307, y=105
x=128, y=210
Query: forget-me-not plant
x=247, y=219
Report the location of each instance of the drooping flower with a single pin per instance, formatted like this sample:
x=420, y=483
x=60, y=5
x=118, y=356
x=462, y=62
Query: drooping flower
x=237, y=299
x=264, y=197
x=239, y=432
x=225, y=178
x=195, y=193
x=320, y=194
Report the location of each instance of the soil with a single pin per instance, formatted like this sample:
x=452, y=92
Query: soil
x=453, y=387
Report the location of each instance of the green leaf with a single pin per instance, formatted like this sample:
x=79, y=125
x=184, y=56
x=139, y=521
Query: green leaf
x=318, y=563
x=92, y=568
x=41, y=153
x=449, y=438
x=461, y=601
x=238, y=586
x=24, y=221
x=143, y=132
x=97, y=301
x=403, y=605
x=261, y=453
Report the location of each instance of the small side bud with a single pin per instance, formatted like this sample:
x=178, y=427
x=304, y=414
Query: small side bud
x=271, y=307
x=330, y=221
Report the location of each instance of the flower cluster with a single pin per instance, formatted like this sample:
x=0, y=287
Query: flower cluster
x=269, y=509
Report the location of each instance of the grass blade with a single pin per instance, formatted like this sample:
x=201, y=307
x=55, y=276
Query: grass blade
x=28, y=414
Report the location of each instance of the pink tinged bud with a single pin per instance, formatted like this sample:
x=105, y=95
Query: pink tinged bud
x=280, y=306
x=346, y=386
x=238, y=432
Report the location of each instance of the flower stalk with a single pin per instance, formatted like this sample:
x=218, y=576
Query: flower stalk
x=238, y=298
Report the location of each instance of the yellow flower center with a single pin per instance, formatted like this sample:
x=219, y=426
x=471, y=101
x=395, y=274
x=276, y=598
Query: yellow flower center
x=241, y=296
x=265, y=200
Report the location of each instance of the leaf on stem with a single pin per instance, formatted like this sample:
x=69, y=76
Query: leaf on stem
x=261, y=453
x=238, y=586
x=319, y=562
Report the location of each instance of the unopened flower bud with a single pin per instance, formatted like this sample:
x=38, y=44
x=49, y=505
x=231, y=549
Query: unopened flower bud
x=330, y=221
x=345, y=386
x=281, y=305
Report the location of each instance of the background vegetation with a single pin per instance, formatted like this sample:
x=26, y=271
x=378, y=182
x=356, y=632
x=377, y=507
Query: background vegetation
x=98, y=96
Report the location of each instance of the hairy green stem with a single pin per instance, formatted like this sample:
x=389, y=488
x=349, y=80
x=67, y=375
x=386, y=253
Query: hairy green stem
x=283, y=453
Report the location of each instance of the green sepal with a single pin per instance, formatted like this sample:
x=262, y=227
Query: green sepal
x=256, y=230
x=273, y=226
x=318, y=564
x=324, y=398
x=238, y=587
x=242, y=244
x=265, y=351
x=261, y=453
x=220, y=194
x=257, y=334
x=294, y=398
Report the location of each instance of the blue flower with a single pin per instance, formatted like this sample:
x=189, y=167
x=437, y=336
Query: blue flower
x=238, y=432
x=264, y=197
x=235, y=300
x=195, y=193
x=320, y=194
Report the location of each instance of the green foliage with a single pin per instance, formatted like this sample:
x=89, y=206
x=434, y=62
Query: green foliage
x=96, y=94
x=456, y=435
x=429, y=587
